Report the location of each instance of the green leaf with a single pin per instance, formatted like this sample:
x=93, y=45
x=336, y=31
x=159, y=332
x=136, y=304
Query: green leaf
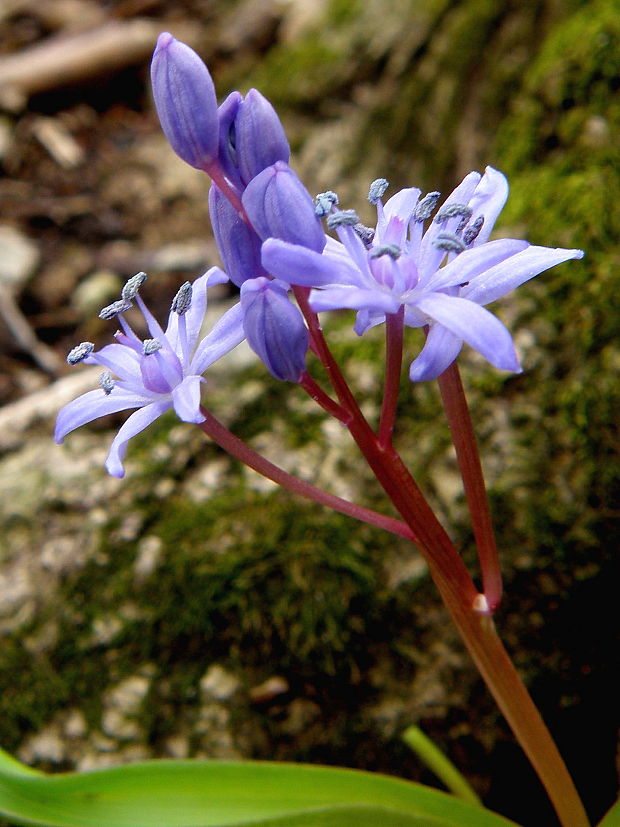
x=222, y=794
x=612, y=818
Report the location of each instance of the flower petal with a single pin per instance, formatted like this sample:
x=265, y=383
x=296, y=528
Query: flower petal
x=226, y=334
x=440, y=350
x=479, y=328
x=186, y=399
x=92, y=405
x=122, y=360
x=137, y=422
x=504, y=277
x=402, y=204
x=430, y=256
x=355, y=298
x=469, y=264
x=295, y=264
x=488, y=201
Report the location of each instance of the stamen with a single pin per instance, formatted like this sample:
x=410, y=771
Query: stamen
x=114, y=309
x=452, y=210
x=365, y=233
x=324, y=202
x=106, y=382
x=426, y=206
x=181, y=302
x=377, y=188
x=151, y=346
x=471, y=233
x=450, y=242
x=80, y=352
x=342, y=218
x=132, y=286
x=391, y=250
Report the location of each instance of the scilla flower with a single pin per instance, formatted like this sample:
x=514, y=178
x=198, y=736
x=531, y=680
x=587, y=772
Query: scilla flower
x=154, y=374
x=398, y=266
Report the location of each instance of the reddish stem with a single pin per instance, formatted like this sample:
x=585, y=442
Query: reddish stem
x=468, y=457
x=393, y=366
x=238, y=449
x=317, y=393
x=321, y=348
x=476, y=627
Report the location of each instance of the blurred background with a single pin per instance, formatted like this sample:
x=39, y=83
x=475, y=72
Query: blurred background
x=194, y=610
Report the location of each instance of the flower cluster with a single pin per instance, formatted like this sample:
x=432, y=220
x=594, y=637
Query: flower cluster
x=427, y=267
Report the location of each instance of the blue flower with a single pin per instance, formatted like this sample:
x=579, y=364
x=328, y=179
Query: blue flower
x=398, y=265
x=154, y=375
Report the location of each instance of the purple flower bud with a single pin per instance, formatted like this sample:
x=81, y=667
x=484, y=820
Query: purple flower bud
x=279, y=206
x=185, y=100
x=259, y=136
x=274, y=328
x=239, y=246
x=227, y=138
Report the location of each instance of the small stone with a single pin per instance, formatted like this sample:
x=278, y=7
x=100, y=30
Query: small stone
x=19, y=257
x=219, y=684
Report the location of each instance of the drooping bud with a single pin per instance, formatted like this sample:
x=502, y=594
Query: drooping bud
x=279, y=206
x=182, y=300
x=106, y=382
x=185, y=101
x=132, y=285
x=239, y=246
x=259, y=136
x=111, y=310
x=80, y=352
x=274, y=328
x=377, y=189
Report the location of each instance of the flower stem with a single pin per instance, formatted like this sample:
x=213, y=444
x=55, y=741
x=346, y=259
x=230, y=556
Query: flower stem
x=468, y=457
x=238, y=449
x=317, y=393
x=477, y=631
x=321, y=348
x=393, y=366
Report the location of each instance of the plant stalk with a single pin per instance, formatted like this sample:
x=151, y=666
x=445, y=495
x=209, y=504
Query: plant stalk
x=468, y=458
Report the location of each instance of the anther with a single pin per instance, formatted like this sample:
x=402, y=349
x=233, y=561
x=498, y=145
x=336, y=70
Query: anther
x=471, y=233
x=132, y=286
x=324, y=202
x=391, y=250
x=80, y=352
x=377, y=188
x=365, y=233
x=114, y=309
x=106, y=382
x=150, y=346
x=182, y=300
x=450, y=242
x=451, y=211
x=426, y=206
x=342, y=218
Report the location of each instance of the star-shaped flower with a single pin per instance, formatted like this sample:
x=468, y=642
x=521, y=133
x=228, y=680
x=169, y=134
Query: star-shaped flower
x=399, y=265
x=154, y=375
